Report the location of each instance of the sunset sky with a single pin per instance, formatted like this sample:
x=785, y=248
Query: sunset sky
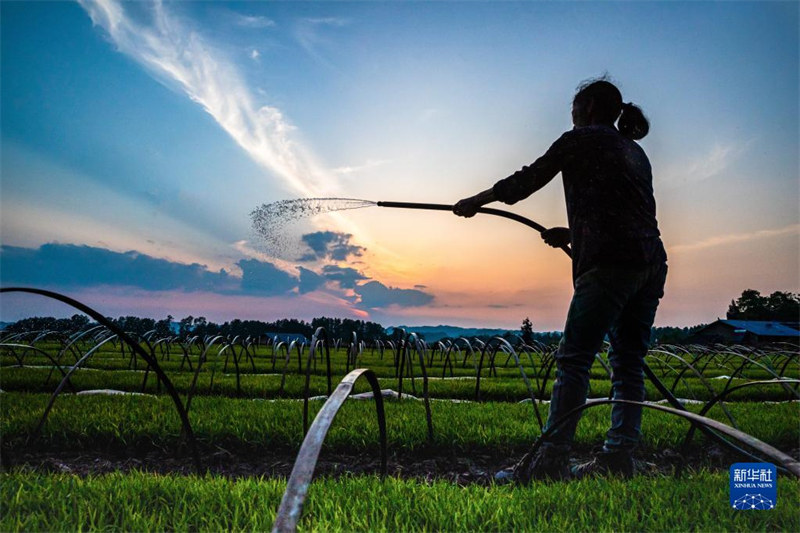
x=138, y=137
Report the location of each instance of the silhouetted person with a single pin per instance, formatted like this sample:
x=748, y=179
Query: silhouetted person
x=618, y=266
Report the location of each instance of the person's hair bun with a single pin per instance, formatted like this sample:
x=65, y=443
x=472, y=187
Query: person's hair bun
x=632, y=122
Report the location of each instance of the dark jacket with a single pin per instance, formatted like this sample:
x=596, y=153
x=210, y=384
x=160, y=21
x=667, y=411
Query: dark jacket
x=608, y=185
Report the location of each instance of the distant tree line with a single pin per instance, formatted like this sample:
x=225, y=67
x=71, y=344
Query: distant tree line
x=778, y=306
x=37, y=323
x=672, y=335
x=190, y=325
x=751, y=305
x=342, y=327
x=77, y=323
x=140, y=326
x=201, y=326
x=337, y=328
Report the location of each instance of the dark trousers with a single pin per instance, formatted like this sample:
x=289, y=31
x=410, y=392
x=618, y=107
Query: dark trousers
x=622, y=303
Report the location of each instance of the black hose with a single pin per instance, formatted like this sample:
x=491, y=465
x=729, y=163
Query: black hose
x=484, y=210
x=538, y=227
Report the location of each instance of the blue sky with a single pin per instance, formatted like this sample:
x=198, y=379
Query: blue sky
x=137, y=138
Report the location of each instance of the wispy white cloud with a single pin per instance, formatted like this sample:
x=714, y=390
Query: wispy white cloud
x=732, y=238
x=371, y=163
x=180, y=57
x=254, y=21
x=176, y=54
x=328, y=21
x=308, y=33
x=713, y=162
x=254, y=54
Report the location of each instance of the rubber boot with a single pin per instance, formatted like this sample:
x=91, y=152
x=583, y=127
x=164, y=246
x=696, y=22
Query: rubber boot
x=548, y=463
x=614, y=463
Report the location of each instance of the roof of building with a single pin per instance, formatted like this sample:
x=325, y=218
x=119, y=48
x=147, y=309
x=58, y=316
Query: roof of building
x=763, y=328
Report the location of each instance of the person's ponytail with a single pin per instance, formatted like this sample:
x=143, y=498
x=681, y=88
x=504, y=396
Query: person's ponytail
x=632, y=122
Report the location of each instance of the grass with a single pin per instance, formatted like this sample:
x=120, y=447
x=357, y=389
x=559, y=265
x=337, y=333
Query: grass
x=497, y=426
x=146, y=502
x=501, y=427
x=110, y=357
x=508, y=387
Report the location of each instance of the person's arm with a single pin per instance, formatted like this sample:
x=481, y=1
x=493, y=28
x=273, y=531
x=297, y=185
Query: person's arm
x=529, y=179
x=516, y=187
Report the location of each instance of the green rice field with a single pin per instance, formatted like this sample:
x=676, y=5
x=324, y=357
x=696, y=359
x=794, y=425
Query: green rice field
x=111, y=453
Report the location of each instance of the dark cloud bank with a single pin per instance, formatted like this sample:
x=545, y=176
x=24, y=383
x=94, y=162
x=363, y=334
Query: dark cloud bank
x=72, y=266
x=330, y=245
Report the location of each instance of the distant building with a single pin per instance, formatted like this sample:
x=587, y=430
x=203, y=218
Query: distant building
x=746, y=332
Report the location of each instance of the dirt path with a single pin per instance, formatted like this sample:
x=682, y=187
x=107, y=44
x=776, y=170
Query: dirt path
x=476, y=468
